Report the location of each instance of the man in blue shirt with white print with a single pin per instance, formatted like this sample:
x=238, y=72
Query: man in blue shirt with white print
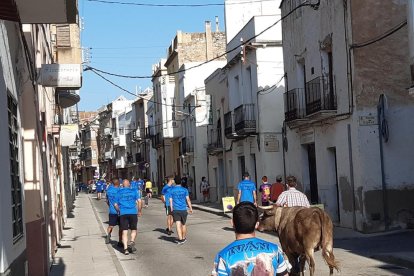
x=247, y=190
x=130, y=208
x=111, y=198
x=248, y=255
x=166, y=199
x=179, y=198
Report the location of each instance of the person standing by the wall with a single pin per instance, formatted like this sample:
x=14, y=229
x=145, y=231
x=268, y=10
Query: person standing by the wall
x=205, y=189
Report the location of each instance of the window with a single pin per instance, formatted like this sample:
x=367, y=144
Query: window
x=16, y=187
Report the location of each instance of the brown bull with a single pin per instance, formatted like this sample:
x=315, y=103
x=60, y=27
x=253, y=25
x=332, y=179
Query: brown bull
x=301, y=232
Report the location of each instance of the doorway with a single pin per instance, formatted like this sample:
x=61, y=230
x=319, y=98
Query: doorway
x=313, y=179
x=333, y=180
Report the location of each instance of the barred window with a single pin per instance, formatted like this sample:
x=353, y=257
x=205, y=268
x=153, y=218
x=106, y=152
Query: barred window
x=16, y=187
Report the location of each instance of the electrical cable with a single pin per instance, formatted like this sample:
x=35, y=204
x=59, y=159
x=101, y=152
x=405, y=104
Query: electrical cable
x=381, y=37
x=127, y=91
x=306, y=3
x=175, y=5
x=260, y=92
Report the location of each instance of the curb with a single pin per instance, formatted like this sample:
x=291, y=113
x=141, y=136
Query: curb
x=115, y=259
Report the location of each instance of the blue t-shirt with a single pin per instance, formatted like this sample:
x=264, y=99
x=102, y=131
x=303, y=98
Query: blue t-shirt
x=99, y=186
x=246, y=188
x=166, y=193
x=250, y=256
x=127, y=201
x=178, y=195
x=112, y=195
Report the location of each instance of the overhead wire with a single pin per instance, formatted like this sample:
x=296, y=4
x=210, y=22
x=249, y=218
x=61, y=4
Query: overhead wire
x=141, y=4
x=133, y=94
x=306, y=3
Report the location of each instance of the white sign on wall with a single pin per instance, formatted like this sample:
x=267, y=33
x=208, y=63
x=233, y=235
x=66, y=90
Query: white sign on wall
x=61, y=75
x=307, y=137
x=271, y=144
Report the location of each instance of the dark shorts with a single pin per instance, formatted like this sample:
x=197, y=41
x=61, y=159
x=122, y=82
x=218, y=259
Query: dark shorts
x=265, y=203
x=113, y=219
x=148, y=191
x=168, y=210
x=128, y=222
x=180, y=216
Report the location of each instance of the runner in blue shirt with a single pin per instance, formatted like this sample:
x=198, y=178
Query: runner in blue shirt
x=140, y=185
x=130, y=208
x=111, y=199
x=247, y=190
x=179, y=198
x=166, y=199
x=248, y=255
x=99, y=188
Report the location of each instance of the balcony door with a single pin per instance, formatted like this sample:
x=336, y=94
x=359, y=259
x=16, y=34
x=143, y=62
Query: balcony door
x=313, y=179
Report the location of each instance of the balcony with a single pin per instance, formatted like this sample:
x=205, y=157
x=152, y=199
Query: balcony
x=108, y=155
x=228, y=126
x=136, y=135
x=215, y=143
x=120, y=163
x=245, y=120
x=107, y=131
x=68, y=98
x=149, y=132
x=187, y=145
x=319, y=96
x=47, y=11
x=295, y=104
x=156, y=140
x=120, y=141
x=317, y=101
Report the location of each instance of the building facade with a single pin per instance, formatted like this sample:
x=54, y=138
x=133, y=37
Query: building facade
x=347, y=109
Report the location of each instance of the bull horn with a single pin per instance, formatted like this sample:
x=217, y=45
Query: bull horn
x=265, y=207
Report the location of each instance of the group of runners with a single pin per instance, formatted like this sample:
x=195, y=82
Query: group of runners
x=247, y=254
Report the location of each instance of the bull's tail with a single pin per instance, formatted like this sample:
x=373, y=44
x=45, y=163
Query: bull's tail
x=327, y=241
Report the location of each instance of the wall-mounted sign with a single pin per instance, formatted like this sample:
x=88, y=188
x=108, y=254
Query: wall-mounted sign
x=307, y=137
x=271, y=144
x=367, y=120
x=61, y=75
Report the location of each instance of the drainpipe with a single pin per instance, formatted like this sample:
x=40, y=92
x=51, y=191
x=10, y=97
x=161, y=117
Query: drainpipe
x=351, y=173
x=383, y=137
x=410, y=24
x=223, y=142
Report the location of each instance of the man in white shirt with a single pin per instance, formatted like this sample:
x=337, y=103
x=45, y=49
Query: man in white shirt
x=292, y=197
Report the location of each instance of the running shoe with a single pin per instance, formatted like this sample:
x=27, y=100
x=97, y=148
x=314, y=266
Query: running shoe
x=126, y=252
x=108, y=239
x=131, y=247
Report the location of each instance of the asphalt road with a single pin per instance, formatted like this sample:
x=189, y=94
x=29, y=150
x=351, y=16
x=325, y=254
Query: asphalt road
x=158, y=254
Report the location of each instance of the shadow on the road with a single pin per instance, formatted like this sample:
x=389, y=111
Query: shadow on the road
x=161, y=230
x=168, y=238
x=228, y=229
x=58, y=268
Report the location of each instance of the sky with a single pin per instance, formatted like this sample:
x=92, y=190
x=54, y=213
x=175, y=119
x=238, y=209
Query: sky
x=128, y=40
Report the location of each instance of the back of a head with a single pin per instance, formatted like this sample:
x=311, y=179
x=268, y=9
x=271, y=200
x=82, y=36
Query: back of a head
x=246, y=175
x=245, y=217
x=116, y=182
x=126, y=183
x=279, y=178
x=264, y=178
x=291, y=181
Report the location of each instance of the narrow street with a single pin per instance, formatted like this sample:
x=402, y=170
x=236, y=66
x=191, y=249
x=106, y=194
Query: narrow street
x=159, y=255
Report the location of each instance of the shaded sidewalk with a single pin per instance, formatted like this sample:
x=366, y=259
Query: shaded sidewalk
x=83, y=250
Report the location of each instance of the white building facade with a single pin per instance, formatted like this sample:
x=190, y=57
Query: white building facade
x=341, y=93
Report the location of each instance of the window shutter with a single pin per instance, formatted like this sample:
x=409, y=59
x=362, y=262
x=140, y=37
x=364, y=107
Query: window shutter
x=63, y=35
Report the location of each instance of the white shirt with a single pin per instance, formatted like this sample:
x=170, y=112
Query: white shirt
x=292, y=197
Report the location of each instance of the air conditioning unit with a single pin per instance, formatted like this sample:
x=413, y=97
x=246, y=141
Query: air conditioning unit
x=174, y=124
